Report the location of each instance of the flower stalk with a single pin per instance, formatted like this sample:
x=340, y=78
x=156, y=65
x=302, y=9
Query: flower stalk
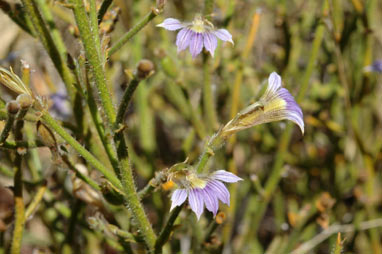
x=133, y=31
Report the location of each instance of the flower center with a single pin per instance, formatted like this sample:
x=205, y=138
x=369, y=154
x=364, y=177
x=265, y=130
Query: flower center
x=188, y=180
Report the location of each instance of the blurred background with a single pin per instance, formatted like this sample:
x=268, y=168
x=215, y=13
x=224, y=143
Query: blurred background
x=299, y=190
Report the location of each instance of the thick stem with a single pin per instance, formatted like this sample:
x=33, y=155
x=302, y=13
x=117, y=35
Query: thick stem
x=93, y=56
x=131, y=195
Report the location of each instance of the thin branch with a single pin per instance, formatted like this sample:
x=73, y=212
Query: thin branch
x=309, y=245
x=133, y=31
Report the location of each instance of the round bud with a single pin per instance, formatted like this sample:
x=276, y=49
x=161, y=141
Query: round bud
x=144, y=69
x=24, y=100
x=13, y=107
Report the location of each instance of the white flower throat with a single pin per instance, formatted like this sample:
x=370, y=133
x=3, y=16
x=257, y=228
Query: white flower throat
x=201, y=25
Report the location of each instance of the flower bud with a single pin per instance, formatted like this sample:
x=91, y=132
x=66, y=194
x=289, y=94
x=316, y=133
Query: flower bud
x=13, y=107
x=24, y=100
x=144, y=69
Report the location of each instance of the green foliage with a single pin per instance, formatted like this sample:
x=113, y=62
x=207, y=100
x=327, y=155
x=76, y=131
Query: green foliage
x=90, y=173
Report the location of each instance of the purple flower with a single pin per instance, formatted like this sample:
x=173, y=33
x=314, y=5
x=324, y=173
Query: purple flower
x=203, y=190
x=60, y=105
x=275, y=105
x=375, y=67
x=200, y=32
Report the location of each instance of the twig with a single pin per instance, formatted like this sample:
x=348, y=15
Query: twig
x=22, y=144
x=103, y=9
x=125, y=101
x=133, y=31
x=309, y=245
x=35, y=202
x=166, y=231
x=55, y=50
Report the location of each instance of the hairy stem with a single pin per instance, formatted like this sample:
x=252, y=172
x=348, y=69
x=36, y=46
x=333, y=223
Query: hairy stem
x=125, y=102
x=94, y=58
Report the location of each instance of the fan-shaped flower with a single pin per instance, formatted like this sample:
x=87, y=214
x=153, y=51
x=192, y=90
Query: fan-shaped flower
x=196, y=34
x=374, y=67
x=276, y=104
x=202, y=190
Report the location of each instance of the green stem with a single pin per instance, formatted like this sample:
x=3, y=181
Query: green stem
x=94, y=59
x=22, y=144
x=19, y=208
x=28, y=117
x=35, y=201
x=17, y=14
x=52, y=43
x=7, y=128
x=94, y=25
x=108, y=144
x=125, y=102
x=213, y=144
x=208, y=7
x=166, y=231
x=49, y=121
x=131, y=195
x=18, y=190
x=208, y=98
x=149, y=188
x=6, y=171
x=83, y=177
x=133, y=31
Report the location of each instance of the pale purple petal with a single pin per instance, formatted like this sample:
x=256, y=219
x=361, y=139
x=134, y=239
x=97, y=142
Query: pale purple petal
x=274, y=83
x=183, y=39
x=225, y=176
x=223, y=35
x=220, y=191
x=178, y=198
x=196, y=201
x=210, y=199
x=375, y=67
x=171, y=24
x=210, y=42
x=196, y=44
x=292, y=111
